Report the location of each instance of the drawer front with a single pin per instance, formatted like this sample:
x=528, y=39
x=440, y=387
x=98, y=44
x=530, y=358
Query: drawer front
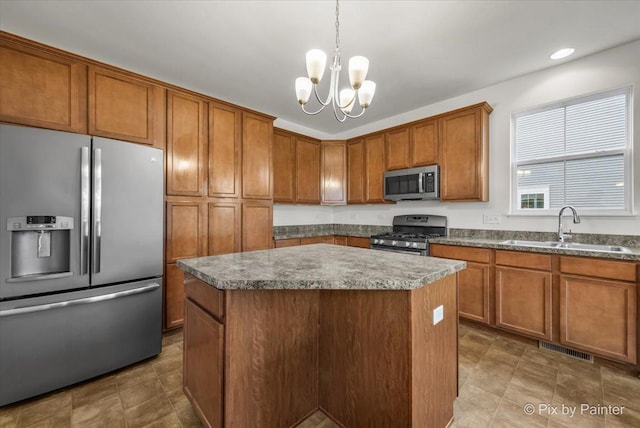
x=281, y=243
x=470, y=254
x=208, y=297
x=599, y=268
x=524, y=260
x=311, y=240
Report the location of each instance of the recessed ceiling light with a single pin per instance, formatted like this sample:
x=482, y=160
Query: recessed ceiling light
x=562, y=53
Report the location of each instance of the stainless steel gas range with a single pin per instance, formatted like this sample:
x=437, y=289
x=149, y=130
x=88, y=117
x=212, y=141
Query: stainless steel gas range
x=411, y=234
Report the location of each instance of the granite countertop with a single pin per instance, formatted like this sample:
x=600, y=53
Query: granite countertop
x=319, y=266
x=493, y=243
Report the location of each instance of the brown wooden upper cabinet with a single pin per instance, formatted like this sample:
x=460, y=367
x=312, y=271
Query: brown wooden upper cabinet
x=424, y=143
x=464, y=154
x=257, y=142
x=355, y=172
x=186, y=144
x=334, y=173
x=126, y=108
x=374, y=168
x=284, y=164
x=41, y=89
x=307, y=170
x=398, y=148
x=225, y=135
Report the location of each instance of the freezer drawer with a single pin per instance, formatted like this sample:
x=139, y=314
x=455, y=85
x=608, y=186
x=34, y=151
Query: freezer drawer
x=54, y=341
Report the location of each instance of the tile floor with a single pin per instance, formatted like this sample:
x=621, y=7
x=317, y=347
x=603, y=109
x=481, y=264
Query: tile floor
x=498, y=376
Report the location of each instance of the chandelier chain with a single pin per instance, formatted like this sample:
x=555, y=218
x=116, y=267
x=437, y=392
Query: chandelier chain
x=337, y=25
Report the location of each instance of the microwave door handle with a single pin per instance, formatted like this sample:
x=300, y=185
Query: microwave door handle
x=421, y=182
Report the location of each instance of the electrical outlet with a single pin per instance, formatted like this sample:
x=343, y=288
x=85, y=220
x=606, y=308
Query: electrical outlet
x=491, y=218
x=438, y=314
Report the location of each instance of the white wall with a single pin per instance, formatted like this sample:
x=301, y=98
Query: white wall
x=606, y=70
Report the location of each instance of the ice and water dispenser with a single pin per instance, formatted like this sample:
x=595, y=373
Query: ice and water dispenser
x=40, y=246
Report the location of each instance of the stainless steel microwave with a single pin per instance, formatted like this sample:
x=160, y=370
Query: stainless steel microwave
x=420, y=183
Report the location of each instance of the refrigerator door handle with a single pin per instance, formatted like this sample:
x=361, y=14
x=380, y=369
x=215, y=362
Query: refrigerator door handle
x=83, y=301
x=84, y=212
x=97, y=208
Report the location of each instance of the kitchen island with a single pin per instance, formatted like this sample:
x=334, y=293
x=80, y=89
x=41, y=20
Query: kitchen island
x=273, y=335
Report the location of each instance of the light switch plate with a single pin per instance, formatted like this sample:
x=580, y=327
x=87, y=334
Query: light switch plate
x=438, y=314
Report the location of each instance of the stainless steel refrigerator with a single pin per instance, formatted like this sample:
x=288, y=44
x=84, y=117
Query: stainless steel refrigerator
x=81, y=236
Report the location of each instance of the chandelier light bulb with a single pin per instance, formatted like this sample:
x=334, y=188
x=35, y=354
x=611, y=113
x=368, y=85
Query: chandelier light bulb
x=347, y=100
x=366, y=93
x=358, y=68
x=316, y=63
x=303, y=89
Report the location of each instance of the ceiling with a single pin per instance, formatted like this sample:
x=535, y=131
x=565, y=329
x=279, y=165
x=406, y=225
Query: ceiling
x=250, y=52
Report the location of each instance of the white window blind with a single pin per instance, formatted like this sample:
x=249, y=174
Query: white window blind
x=579, y=150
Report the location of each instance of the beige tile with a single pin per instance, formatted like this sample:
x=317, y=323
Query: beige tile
x=570, y=414
x=169, y=421
x=498, y=354
x=466, y=415
x=164, y=366
x=313, y=421
x=44, y=408
x=621, y=389
x=9, y=416
x=491, y=376
x=171, y=338
x=510, y=346
x=546, y=358
x=62, y=419
x=628, y=419
x=177, y=398
x=104, y=410
x=188, y=417
x=169, y=352
x=512, y=415
x=473, y=398
x=148, y=412
x=140, y=392
x=572, y=389
x=106, y=419
x=172, y=380
x=328, y=423
x=528, y=387
x=135, y=374
x=93, y=390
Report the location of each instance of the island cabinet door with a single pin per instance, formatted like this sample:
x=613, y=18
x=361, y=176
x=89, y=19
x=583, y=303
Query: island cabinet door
x=474, y=287
x=203, y=363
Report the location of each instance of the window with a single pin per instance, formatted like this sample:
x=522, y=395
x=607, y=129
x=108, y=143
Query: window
x=576, y=152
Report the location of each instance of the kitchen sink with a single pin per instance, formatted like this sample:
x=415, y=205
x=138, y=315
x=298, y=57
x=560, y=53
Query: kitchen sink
x=568, y=246
x=545, y=244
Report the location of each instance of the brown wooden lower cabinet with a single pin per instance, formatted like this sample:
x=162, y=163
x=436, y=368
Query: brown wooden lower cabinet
x=474, y=283
x=357, y=241
x=204, y=363
x=584, y=303
x=368, y=358
x=282, y=243
x=523, y=301
x=599, y=316
x=174, y=296
x=473, y=292
x=311, y=240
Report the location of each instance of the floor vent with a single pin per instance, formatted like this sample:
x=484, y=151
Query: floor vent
x=566, y=351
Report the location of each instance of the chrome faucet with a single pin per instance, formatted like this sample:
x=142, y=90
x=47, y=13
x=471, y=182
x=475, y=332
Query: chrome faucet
x=576, y=219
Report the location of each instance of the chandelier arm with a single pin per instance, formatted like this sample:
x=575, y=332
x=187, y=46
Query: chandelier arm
x=324, y=103
x=355, y=116
x=312, y=113
x=335, y=113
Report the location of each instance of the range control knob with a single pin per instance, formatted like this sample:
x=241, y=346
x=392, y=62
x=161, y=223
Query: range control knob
x=393, y=243
x=380, y=241
x=375, y=241
x=407, y=244
x=415, y=245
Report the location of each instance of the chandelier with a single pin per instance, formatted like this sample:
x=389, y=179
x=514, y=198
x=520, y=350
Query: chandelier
x=343, y=100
